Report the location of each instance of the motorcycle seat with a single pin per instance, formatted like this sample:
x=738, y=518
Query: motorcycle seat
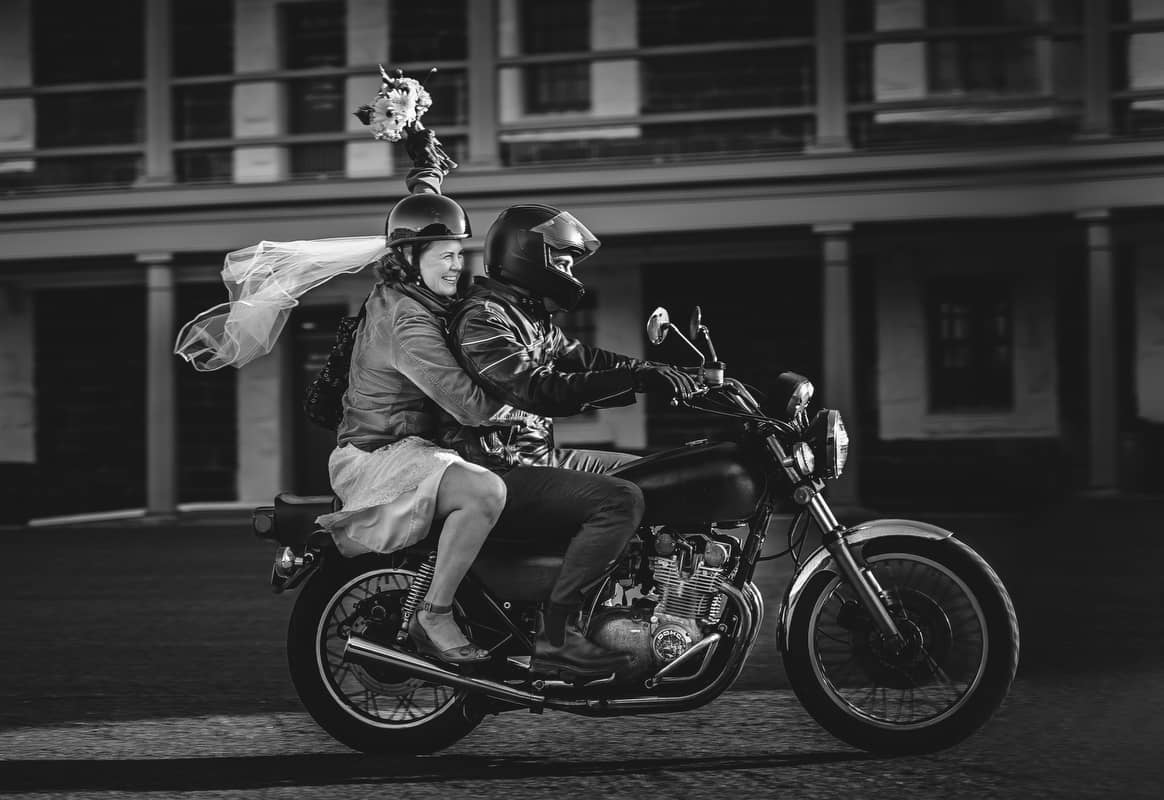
x=293, y=521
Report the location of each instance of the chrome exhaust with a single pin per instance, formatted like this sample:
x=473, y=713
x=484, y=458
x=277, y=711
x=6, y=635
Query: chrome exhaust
x=358, y=649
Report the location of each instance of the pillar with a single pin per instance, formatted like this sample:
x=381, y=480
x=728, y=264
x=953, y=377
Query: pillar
x=1101, y=355
x=837, y=310
x=483, y=85
x=161, y=410
x=159, y=160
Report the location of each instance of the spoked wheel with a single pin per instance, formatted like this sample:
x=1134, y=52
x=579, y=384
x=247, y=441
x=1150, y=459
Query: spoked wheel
x=375, y=709
x=941, y=682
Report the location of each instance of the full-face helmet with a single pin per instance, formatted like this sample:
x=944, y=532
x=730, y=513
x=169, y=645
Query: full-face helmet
x=518, y=247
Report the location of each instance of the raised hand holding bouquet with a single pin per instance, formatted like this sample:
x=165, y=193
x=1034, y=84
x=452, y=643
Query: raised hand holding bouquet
x=395, y=114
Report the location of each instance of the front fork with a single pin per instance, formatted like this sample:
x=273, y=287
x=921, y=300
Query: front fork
x=869, y=591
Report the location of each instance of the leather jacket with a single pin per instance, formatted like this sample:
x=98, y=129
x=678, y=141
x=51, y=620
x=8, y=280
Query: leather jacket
x=506, y=340
x=401, y=370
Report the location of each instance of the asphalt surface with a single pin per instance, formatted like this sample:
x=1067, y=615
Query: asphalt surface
x=149, y=660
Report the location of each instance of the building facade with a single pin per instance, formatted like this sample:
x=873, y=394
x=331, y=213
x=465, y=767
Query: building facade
x=946, y=214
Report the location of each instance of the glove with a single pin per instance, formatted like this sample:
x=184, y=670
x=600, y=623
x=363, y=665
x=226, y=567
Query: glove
x=665, y=379
x=425, y=149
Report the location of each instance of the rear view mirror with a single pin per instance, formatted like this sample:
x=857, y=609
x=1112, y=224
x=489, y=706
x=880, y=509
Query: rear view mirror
x=696, y=323
x=658, y=324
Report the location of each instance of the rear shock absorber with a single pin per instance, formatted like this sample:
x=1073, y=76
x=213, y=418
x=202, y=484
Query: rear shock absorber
x=416, y=592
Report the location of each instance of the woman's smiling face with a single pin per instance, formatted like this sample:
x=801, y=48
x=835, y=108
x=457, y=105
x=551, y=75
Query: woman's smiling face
x=441, y=265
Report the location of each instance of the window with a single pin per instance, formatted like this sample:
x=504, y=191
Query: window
x=946, y=72
x=89, y=118
x=203, y=112
x=87, y=42
x=435, y=30
x=663, y=22
x=1136, y=68
x=314, y=36
x=783, y=77
x=203, y=37
x=970, y=334
x=556, y=27
x=552, y=88
x=215, y=165
x=323, y=160
x=91, y=171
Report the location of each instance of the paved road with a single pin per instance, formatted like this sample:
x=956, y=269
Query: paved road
x=151, y=661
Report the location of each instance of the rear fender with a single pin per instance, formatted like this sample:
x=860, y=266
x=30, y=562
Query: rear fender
x=821, y=561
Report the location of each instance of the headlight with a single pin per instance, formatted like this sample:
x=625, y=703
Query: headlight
x=828, y=437
x=791, y=395
x=803, y=458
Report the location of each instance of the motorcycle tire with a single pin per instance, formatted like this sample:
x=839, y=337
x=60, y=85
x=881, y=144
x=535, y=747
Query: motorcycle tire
x=960, y=658
x=367, y=708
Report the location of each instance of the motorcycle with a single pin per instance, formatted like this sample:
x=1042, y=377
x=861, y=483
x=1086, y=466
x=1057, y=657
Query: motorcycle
x=896, y=636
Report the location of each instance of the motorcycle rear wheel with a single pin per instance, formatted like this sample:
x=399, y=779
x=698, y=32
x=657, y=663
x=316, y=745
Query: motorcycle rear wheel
x=368, y=708
x=958, y=664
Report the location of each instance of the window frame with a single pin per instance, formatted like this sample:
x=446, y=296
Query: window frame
x=977, y=386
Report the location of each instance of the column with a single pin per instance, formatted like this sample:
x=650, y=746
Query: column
x=837, y=310
x=161, y=411
x=1096, y=121
x=158, y=116
x=832, y=129
x=367, y=44
x=483, y=78
x=1101, y=355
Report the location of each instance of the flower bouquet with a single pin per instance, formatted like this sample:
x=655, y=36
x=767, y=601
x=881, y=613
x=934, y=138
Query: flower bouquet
x=398, y=106
x=395, y=114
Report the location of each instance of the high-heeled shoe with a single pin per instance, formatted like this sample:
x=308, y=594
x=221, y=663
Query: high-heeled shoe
x=465, y=654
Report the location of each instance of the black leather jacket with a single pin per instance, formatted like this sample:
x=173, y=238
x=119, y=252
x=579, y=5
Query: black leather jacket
x=508, y=343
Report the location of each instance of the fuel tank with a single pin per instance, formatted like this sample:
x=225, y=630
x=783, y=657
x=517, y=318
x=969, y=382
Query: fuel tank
x=699, y=482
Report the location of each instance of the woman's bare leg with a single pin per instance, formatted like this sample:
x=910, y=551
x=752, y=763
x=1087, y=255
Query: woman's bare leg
x=470, y=500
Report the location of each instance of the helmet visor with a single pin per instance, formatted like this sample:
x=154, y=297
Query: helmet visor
x=564, y=232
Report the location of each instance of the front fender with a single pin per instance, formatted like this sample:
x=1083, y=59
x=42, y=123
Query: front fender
x=820, y=558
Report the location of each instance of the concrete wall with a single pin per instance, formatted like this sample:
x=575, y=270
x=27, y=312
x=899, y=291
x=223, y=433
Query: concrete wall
x=902, y=393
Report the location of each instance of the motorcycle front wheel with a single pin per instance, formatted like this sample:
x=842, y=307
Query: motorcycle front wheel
x=369, y=708
x=947, y=677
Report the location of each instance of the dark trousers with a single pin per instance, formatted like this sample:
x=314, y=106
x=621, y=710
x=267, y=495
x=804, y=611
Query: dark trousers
x=592, y=514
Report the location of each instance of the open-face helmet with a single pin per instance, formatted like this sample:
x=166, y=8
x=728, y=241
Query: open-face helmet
x=518, y=246
x=428, y=217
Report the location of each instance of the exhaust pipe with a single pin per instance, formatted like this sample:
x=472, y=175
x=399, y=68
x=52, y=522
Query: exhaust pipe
x=358, y=649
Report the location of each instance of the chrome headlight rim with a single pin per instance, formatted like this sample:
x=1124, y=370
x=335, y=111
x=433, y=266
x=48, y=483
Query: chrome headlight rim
x=804, y=459
x=830, y=440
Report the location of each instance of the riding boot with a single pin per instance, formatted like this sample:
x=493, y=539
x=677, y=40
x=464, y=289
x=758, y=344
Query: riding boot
x=561, y=650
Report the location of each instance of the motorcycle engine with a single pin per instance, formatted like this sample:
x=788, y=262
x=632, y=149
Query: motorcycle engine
x=671, y=618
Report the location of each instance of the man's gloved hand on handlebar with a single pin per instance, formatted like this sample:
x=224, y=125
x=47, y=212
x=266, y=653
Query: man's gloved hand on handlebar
x=653, y=377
